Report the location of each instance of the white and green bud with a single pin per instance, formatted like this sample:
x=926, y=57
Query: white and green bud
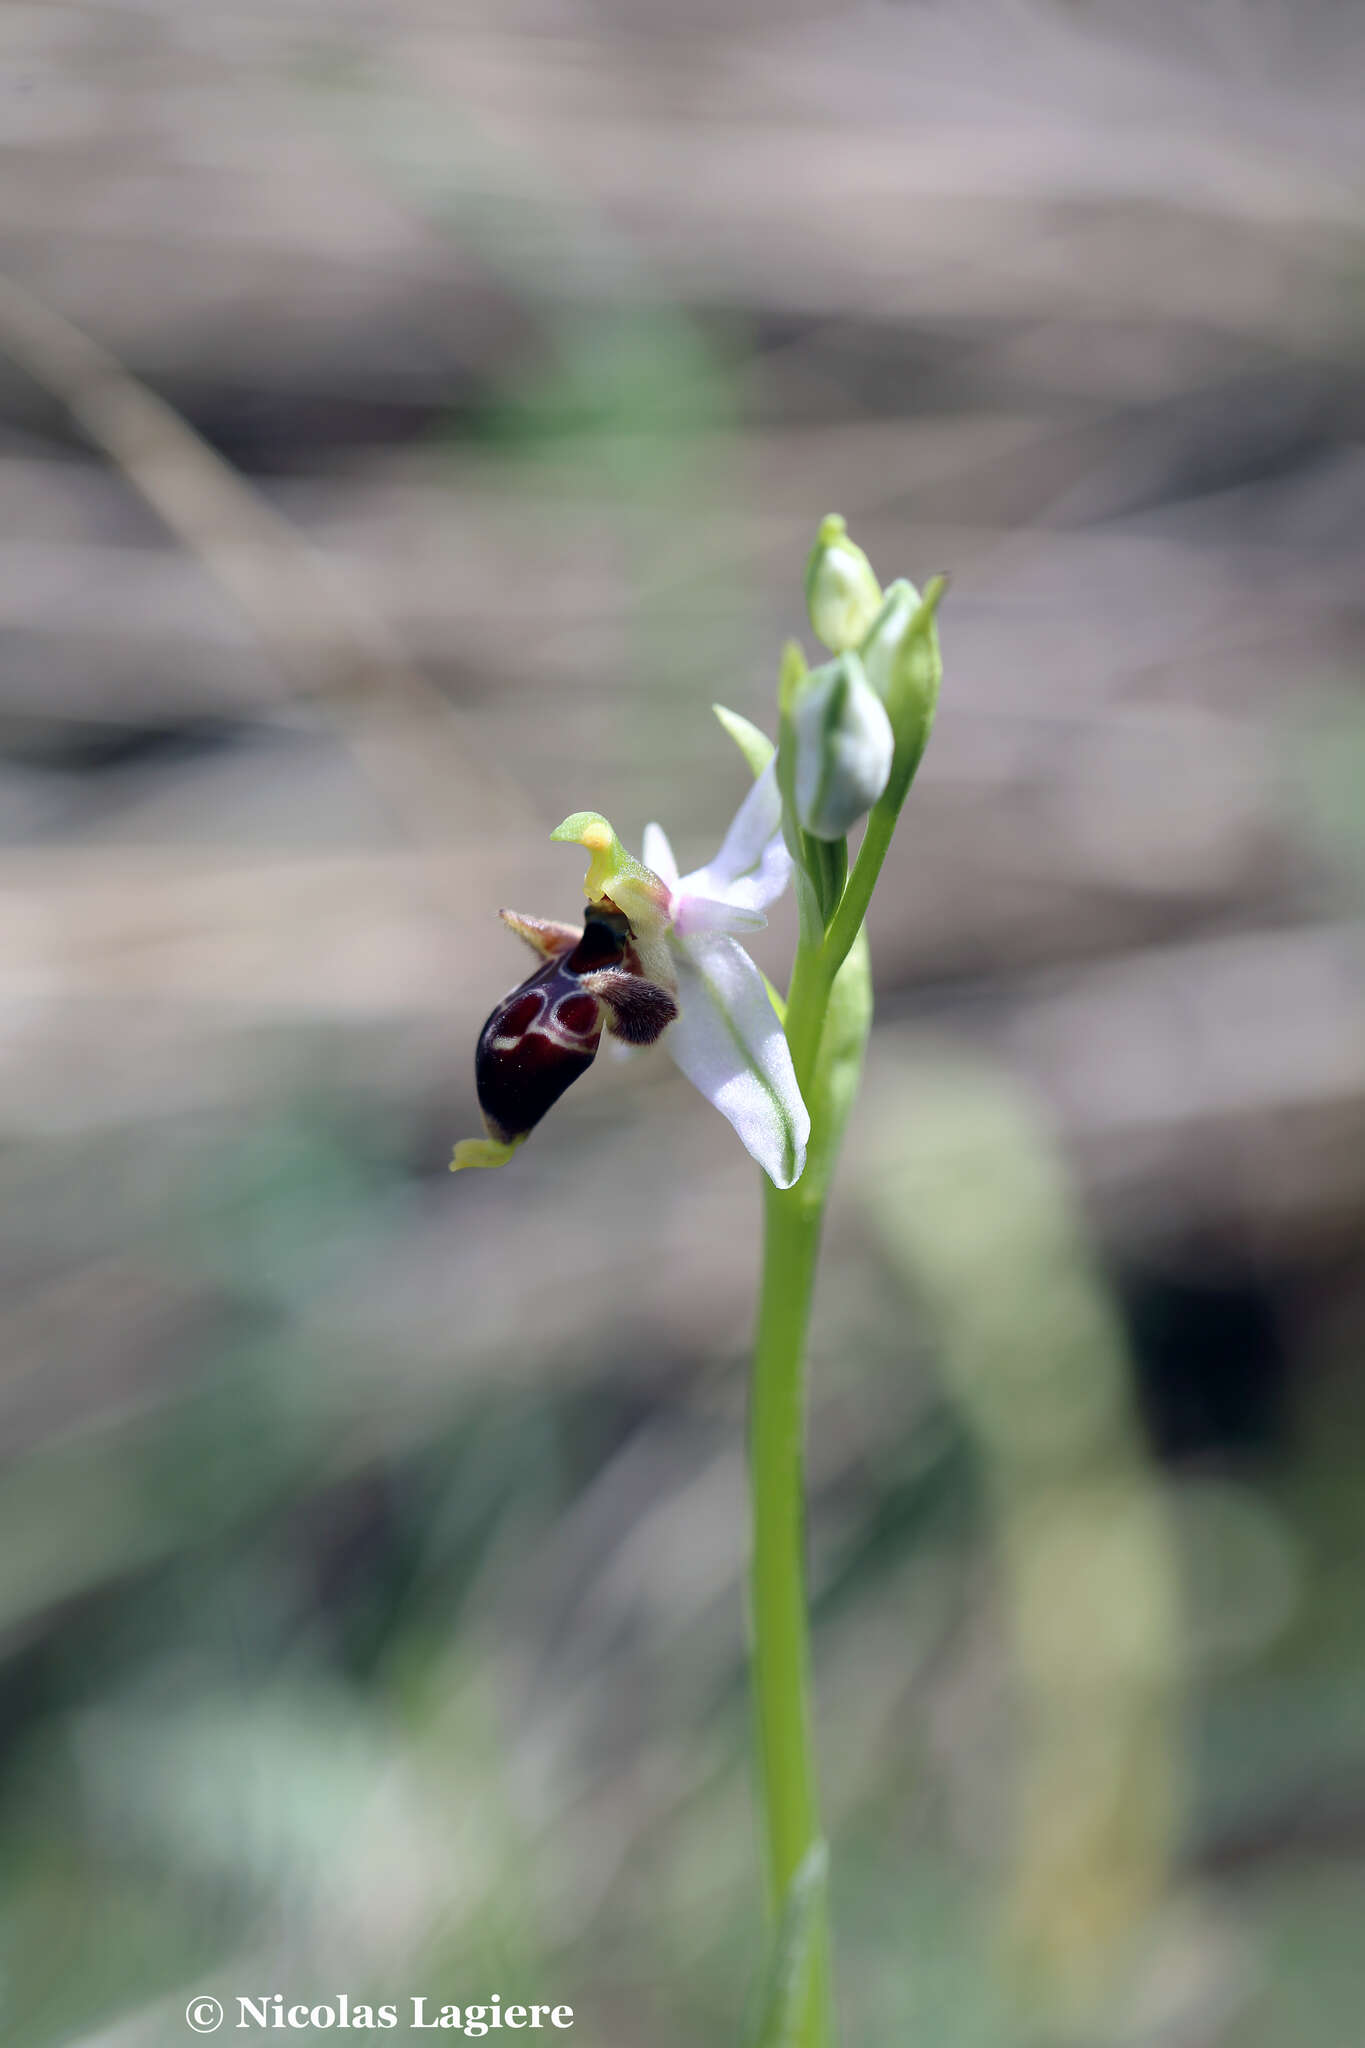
x=882, y=645
x=844, y=748
x=843, y=596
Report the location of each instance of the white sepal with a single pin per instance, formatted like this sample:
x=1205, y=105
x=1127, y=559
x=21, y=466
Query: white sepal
x=695, y=916
x=658, y=854
x=753, y=866
x=729, y=1043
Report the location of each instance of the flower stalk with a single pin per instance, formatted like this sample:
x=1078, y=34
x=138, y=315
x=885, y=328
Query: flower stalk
x=659, y=956
x=827, y=1019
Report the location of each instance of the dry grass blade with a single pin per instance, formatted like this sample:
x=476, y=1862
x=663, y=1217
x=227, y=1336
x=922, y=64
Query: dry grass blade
x=330, y=646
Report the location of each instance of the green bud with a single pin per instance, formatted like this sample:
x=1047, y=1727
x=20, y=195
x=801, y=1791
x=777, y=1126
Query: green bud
x=844, y=748
x=843, y=596
x=912, y=690
x=887, y=630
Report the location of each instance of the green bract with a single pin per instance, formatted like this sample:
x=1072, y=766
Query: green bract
x=756, y=747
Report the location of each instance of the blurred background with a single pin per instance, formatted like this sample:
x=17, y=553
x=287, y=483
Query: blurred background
x=412, y=416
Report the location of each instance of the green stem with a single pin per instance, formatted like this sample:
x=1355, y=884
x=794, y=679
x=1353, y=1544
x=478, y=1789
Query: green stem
x=793, y=1219
x=781, y=1676
x=828, y=1013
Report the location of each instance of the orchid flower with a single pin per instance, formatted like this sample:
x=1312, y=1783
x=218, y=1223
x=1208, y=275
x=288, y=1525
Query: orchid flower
x=658, y=956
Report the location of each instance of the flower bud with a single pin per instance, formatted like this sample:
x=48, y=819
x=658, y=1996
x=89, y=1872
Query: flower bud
x=843, y=596
x=844, y=748
x=880, y=648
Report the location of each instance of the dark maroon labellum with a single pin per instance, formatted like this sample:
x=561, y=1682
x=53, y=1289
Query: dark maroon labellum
x=546, y=1033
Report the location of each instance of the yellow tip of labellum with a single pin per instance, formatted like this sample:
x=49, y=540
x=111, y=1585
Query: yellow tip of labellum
x=483, y=1152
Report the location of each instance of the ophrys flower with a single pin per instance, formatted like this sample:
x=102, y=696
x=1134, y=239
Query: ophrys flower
x=658, y=954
